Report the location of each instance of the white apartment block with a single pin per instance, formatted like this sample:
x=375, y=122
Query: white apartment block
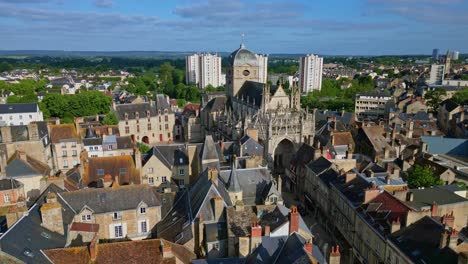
x=19, y=114
x=203, y=70
x=310, y=73
x=437, y=74
x=262, y=67
x=371, y=105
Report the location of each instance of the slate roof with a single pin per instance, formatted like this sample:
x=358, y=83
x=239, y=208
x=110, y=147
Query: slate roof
x=18, y=108
x=252, y=91
x=143, y=251
x=304, y=155
x=169, y=155
x=9, y=184
x=125, y=142
x=376, y=136
x=293, y=252
x=252, y=182
x=92, y=141
x=441, y=145
x=209, y=151
x=354, y=190
x=26, y=238
x=320, y=165
x=250, y=147
x=424, y=198
x=18, y=167
x=449, y=105
x=58, y=133
x=420, y=242
x=216, y=104
x=131, y=109
x=104, y=200
x=162, y=103
x=242, y=56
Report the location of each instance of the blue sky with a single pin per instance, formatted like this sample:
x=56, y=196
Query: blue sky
x=352, y=27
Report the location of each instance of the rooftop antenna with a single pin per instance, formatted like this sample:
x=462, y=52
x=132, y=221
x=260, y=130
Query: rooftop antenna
x=242, y=41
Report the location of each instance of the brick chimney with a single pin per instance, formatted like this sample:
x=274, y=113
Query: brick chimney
x=443, y=239
x=293, y=220
x=51, y=212
x=448, y=220
x=335, y=256
x=166, y=250
x=371, y=193
x=267, y=230
x=434, y=209
x=218, y=208
x=255, y=235
x=396, y=225
x=308, y=246
x=453, y=240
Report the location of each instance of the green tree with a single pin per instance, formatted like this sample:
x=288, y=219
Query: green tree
x=143, y=148
x=110, y=119
x=4, y=66
x=461, y=95
x=434, y=98
x=422, y=177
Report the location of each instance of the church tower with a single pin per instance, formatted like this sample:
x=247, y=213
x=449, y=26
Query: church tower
x=243, y=66
x=295, y=97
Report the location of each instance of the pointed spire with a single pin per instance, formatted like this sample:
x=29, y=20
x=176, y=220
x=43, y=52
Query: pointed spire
x=234, y=185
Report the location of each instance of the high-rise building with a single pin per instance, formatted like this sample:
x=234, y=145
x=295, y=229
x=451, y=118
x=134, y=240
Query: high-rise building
x=262, y=67
x=437, y=74
x=203, y=70
x=310, y=73
x=455, y=55
x=435, y=54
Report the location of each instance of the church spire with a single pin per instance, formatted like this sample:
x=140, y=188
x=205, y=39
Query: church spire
x=242, y=46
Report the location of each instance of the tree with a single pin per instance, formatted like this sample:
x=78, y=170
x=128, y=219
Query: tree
x=434, y=97
x=461, y=95
x=110, y=119
x=4, y=66
x=422, y=177
x=143, y=148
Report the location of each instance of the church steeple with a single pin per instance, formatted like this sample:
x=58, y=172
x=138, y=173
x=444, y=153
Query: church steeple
x=234, y=189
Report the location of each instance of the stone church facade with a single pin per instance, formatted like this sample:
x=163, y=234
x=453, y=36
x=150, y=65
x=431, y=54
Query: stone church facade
x=275, y=116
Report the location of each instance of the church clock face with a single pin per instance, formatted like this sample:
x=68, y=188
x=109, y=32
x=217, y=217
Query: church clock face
x=246, y=72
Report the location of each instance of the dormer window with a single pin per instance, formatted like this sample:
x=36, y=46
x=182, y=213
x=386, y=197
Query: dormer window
x=137, y=115
x=117, y=216
x=142, y=210
x=86, y=217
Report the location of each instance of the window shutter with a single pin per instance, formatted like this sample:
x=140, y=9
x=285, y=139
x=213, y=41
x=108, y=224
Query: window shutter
x=111, y=231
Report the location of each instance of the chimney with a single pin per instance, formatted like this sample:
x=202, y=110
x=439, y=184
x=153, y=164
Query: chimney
x=213, y=175
x=453, y=240
x=109, y=130
x=396, y=225
x=166, y=250
x=279, y=183
x=387, y=178
x=335, y=256
x=93, y=248
x=350, y=176
x=434, y=209
x=448, y=220
x=244, y=246
x=51, y=212
x=443, y=239
x=267, y=230
x=137, y=156
x=255, y=235
x=218, y=208
x=22, y=156
x=409, y=196
x=107, y=180
x=308, y=246
x=371, y=193
x=293, y=220
x=410, y=130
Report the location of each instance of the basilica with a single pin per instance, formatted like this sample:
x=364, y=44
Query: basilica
x=253, y=107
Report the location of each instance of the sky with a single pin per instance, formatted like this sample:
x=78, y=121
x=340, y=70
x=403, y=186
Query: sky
x=328, y=27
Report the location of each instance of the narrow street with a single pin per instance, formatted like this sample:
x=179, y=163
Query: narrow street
x=322, y=238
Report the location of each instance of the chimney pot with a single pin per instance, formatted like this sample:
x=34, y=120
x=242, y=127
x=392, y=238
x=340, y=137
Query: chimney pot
x=308, y=246
x=293, y=220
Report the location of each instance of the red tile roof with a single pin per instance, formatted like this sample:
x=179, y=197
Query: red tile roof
x=84, y=227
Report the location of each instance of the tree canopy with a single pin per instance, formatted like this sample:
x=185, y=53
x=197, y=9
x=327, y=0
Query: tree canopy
x=421, y=176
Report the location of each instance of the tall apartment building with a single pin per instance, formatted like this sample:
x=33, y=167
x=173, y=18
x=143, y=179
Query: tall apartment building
x=455, y=55
x=435, y=54
x=448, y=59
x=203, y=70
x=437, y=74
x=262, y=67
x=310, y=73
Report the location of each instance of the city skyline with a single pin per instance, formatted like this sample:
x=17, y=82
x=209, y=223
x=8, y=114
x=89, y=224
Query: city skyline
x=358, y=27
